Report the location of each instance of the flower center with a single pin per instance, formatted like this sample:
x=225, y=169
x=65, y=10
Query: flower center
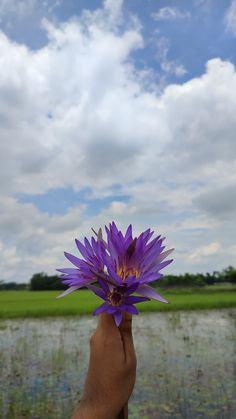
x=125, y=271
x=116, y=297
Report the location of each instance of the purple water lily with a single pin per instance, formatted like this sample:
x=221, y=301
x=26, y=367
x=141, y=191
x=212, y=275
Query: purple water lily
x=117, y=299
x=129, y=259
x=87, y=268
x=120, y=265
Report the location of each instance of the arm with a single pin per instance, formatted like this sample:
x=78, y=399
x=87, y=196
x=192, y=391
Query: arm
x=111, y=373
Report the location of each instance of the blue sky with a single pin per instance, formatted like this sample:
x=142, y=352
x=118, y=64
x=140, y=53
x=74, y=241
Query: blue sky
x=58, y=201
x=117, y=110
x=194, y=31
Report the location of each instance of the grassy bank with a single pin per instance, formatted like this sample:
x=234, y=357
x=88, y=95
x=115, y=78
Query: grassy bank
x=20, y=304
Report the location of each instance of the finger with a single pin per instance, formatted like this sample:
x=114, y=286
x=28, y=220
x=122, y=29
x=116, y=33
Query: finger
x=105, y=327
x=106, y=321
x=126, y=324
x=126, y=333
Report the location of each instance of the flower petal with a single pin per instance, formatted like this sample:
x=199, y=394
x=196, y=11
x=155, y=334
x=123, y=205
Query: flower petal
x=149, y=292
x=114, y=275
x=103, y=307
x=132, y=299
x=104, y=286
x=111, y=309
x=164, y=264
x=128, y=232
x=69, y=290
x=132, y=288
x=82, y=249
x=69, y=271
x=131, y=309
x=163, y=255
x=73, y=259
x=98, y=291
x=88, y=247
x=130, y=279
x=118, y=318
x=150, y=277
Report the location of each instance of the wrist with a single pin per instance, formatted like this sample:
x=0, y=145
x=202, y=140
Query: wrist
x=89, y=411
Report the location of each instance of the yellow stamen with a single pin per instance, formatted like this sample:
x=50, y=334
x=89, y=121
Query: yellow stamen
x=125, y=271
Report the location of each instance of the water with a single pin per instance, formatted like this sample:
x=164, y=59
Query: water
x=186, y=365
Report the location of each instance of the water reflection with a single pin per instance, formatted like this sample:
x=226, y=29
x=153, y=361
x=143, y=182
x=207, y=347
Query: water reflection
x=186, y=365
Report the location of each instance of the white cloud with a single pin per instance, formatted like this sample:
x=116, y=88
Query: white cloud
x=77, y=112
x=27, y=235
x=230, y=18
x=232, y=250
x=219, y=202
x=170, y=13
x=19, y=8
x=206, y=251
x=168, y=66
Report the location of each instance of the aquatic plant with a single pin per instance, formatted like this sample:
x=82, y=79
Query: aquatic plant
x=117, y=267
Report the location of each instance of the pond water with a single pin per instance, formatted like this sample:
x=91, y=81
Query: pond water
x=186, y=365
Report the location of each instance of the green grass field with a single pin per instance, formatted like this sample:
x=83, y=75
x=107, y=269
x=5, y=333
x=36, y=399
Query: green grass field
x=21, y=304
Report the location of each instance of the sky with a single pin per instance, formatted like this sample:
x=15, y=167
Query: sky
x=117, y=110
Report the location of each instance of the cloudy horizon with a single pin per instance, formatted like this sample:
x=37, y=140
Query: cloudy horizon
x=115, y=111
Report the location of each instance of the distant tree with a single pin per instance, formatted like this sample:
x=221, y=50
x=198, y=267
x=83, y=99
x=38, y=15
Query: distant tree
x=37, y=281
x=12, y=286
x=218, y=277
x=185, y=280
x=209, y=279
x=229, y=274
x=42, y=282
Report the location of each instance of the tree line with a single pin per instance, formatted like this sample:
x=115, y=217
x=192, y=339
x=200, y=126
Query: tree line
x=39, y=282
x=227, y=275
x=42, y=282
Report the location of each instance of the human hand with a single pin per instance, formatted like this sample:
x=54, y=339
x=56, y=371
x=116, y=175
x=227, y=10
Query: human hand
x=112, y=368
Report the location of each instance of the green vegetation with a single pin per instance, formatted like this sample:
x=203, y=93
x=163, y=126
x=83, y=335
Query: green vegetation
x=20, y=304
x=42, y=282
